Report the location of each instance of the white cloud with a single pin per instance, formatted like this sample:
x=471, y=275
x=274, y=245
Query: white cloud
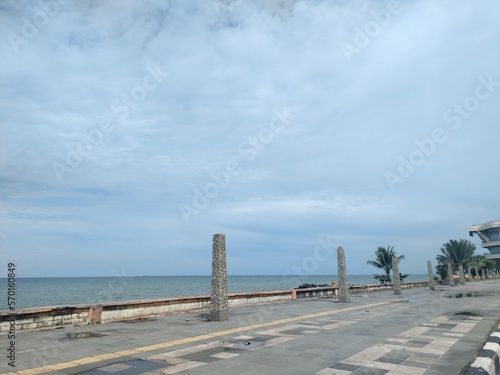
x=226, y=67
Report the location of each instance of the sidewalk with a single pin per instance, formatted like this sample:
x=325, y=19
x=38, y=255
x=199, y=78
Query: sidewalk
x=421, y=332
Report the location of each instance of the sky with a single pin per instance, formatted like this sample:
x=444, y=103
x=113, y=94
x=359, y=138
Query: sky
x=132, y=131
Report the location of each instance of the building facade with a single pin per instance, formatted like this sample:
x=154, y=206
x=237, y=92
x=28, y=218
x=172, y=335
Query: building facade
x=489, y=233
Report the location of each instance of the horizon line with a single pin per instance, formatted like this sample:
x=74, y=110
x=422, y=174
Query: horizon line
x=128, y=276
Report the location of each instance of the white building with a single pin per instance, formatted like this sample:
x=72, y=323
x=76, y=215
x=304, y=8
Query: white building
x=489, y=233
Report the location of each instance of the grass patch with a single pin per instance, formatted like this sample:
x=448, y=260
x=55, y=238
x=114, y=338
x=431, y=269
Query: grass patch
x=495, y=326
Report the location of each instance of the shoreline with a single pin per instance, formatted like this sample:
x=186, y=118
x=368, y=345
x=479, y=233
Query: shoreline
x=51, y=317
x=43, y=292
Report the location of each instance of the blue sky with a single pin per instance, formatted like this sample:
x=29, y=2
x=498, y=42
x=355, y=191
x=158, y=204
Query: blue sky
x=133, y=131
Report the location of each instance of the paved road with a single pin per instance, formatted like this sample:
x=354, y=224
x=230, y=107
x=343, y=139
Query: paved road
x=421, y=332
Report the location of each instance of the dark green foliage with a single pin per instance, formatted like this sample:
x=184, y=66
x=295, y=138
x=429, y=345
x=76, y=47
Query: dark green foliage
x=385, y=279
x=480, y=262
x=442, y=271
x=383, y=260
x=458, y=252
x=382, y=278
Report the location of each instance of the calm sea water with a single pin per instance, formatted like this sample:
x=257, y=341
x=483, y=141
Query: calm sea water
x=65, y=291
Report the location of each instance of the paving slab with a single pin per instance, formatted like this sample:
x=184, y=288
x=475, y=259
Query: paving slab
x=420, y=332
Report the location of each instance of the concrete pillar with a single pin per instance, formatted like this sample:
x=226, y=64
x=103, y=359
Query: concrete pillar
x=218, y=299
x=432, y=286
x=482, y=273
x=450, y=275
x=397, y=280
x=477, y=273
x=344, y=295
x=95, y=313
x=461, y=273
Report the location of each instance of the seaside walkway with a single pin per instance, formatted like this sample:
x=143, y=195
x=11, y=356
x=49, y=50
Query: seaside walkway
x=420, y=332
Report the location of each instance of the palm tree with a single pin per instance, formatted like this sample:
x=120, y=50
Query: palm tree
x=442, y=271
x=383, y=259
x=458, y=252
x=480, y=261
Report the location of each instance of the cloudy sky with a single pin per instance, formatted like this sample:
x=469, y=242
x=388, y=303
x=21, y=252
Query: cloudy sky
x=132, y=131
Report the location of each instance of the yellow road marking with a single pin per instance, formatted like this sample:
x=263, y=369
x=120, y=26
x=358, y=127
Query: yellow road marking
x=34, y=371
x=60, y=366
x=107, y=356
x=122, y=353
x=84, y=361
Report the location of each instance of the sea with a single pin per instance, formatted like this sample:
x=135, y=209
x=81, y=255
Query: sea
x=70, y=291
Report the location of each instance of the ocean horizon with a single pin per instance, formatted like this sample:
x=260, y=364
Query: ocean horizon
x=68, y=291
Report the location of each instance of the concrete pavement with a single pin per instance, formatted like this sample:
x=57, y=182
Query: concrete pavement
x=420, y=332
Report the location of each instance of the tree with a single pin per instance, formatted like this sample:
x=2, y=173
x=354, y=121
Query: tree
x=383, y=260
x=480, y=262
x=442, y=271
x=458, y=252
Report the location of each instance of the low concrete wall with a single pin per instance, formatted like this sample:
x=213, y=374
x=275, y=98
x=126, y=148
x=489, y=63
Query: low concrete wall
x=44, y=318
x=241, y=299
x=354, y=289
x=117, y=311
x=53, y=317
x=377, y=287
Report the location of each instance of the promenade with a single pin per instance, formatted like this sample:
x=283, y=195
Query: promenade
x=420, y=332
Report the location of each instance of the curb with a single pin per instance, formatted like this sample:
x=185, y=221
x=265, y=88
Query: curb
x=487, y=360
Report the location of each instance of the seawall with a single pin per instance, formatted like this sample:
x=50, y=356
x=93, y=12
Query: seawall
x=44, y=318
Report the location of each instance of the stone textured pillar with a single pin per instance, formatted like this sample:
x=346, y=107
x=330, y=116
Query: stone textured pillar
x=432, y=285
x=218, y=299
x=397, y=280
x=95, y=313
x=461, y=273
x=450, y=275
x=344, y=295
